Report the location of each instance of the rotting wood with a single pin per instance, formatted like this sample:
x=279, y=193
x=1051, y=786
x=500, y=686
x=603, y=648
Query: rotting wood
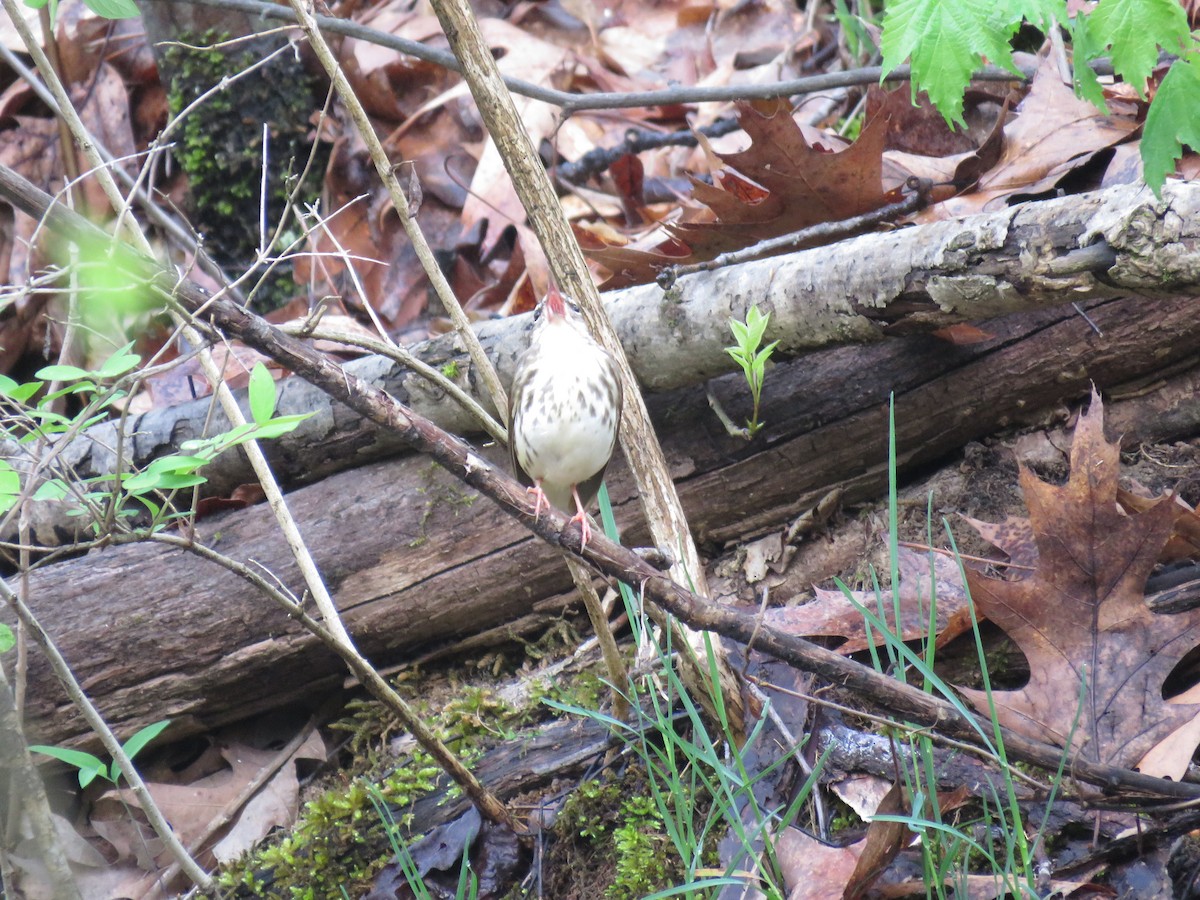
x=415, y=558
x=1085, y=247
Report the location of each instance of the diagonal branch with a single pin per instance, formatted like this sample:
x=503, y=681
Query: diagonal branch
x=457, y=457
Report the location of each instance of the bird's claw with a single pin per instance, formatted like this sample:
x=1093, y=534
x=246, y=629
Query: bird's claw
x=585, y=530
x=539, y=500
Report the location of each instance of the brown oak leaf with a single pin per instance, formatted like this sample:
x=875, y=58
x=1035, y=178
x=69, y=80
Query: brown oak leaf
x=1081, y=617
x=787, y=179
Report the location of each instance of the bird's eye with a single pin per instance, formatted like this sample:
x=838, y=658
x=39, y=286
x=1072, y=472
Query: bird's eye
x=573, y=306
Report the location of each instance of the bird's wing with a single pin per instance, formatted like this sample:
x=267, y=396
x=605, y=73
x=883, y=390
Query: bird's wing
x=524, y=371
x=588, y=489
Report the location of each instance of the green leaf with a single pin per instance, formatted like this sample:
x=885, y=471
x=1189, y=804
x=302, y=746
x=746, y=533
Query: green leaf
x=62, y=373
x=87, y=776
x=946, y=41
x=1173, y=120
x=89, y=766
x=119, y=363
x=1135, y=29
x=756, y=325
x=166, y=473
x=176, y=464
x=48, y=417
x=79, y=387
x=262, y=394
x=142, y=481
x=113, y=9
x=1041, y=14
x=1085, y=47
x=7, y=639
x=174, y=481
x=18, y=392
x=212, y=447
x=279, y=426
x=153, y=508
x=205, y=447
x=137, y=743
x=10, y=486
x=740, y=331
x=144, y=736
x=54, y=489
x=740, y=358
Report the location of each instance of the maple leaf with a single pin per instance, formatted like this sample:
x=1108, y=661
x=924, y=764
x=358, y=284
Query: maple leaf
x=947, y=43
x=1135, y=29
x=1081, y=617
x=1171, y=121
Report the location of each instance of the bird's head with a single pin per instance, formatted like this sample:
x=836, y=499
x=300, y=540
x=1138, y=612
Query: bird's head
x=556, y=309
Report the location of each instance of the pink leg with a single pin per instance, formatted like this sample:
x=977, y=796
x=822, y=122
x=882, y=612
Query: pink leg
x=539, y=499
x=585, y=530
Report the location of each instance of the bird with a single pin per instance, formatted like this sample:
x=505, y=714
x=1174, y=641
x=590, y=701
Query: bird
x=564, y=412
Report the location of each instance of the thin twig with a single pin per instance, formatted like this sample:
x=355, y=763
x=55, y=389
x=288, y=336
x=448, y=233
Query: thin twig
x=659, y=498
x=91, y=715
x=155, y=213
x=981, y=752
x=405, y=358
x=613, y=663
x=571, y=103
x=230, y=809
x=28, y=817
x=825, y=233
x=487, y=803
x=358, y=114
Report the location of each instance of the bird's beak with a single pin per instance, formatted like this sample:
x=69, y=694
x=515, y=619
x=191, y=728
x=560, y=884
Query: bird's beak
x=554, y=303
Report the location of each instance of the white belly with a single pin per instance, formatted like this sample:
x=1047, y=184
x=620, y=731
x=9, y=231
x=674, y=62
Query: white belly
x=568, y=435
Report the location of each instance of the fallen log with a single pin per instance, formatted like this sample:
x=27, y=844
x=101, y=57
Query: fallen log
x=414, y=558
x=1101, y=245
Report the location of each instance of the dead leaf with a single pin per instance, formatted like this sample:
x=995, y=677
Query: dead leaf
x=191, y=807
x=1184, y=543
x=884, y=841
x=831, y=614
x=813, y=870
x=787, y=179
x=1081, y=618
x=963, y=334
x=1052, y=133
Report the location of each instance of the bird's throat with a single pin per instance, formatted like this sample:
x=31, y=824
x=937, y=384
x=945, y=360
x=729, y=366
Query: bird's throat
x=555, y=305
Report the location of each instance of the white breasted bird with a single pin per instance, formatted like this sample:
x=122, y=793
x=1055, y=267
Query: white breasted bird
x=564, y=411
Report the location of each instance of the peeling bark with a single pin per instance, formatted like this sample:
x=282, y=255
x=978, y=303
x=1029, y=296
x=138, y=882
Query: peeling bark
x=1093, y=246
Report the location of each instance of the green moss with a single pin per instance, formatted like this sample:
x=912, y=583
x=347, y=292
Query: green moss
x=642, y=850
x=613, y=833
x=339, y=841
x=321, y=856
x=220, y=146
x=585, y=690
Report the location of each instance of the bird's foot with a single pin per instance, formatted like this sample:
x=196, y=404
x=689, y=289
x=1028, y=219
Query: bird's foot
x=539, y=500
x=585, y=530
